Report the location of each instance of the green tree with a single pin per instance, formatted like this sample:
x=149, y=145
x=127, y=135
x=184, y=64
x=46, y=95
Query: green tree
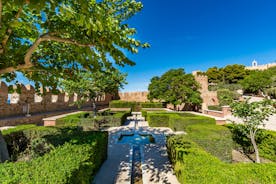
x=90, y=85
x=256, y=82
x=214, y=75
x=175, y=87
x=226, y=97
x=253, y=116
x=233, y=73
x=47, y=40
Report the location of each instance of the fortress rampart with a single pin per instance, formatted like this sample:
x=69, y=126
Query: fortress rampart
x=28, y=102
x=134, y=96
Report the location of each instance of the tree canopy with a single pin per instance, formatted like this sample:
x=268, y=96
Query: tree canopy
x=229, y=74
x=90, y=85
x=47, y=39
x=253, y=116
x=175, y=87
x=256, y=82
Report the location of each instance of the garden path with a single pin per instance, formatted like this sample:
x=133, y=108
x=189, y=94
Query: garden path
x=156, y=167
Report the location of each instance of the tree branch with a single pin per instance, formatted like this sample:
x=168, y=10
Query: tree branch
x=42, y=38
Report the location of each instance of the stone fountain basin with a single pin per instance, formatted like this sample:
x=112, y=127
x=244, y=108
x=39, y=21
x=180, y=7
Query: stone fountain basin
x=136, y=139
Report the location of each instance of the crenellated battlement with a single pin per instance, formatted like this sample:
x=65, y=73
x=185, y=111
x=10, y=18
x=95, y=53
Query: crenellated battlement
x=28, y=101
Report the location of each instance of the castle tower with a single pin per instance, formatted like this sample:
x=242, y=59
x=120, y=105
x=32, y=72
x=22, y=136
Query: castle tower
x=254, y=63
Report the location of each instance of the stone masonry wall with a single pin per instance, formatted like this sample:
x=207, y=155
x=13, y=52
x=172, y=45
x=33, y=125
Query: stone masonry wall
x=29, y=100
x=134, y=96
x=208, y=97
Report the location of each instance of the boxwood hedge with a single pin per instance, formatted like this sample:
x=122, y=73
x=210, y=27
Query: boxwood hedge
x=192, y=164
x=135, y=106
x=215, y=139
x=75, y=161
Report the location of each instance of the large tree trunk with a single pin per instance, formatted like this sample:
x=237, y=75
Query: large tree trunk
x=252, y=138
x=4, y=154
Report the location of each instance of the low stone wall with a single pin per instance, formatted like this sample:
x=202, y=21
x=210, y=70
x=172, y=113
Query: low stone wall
x=226, y=111
x=214, y=113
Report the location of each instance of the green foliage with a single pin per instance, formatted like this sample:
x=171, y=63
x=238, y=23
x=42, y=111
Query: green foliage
x=151, y=105
x=226, y=97
x=192, y=164
x=135, y=106
x=253, y=116
x=48, y=40
x=256, y=82
x=271, y=92
x=74, y=162
x=231, y=87
x=214, y=74
x=90, y=85
x=30, y=142
x=230, y=74
x=123, y=104
x=266, y=141
x=215, y=139
x=17, y=128
x=158, y=120
x=215, y=107
x=175, y=87
x=234, y=73
x=86, y=120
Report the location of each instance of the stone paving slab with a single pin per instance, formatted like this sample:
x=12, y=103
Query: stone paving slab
x=117, y=167
x=156, y=167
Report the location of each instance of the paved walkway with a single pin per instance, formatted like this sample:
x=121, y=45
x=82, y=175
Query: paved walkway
x=156, y=167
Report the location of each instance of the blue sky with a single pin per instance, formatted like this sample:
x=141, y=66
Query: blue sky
x=198, y=34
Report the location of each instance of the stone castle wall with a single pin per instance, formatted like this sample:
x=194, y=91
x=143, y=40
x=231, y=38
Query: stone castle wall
x=28, y=100
x=208, y=97
x=261, y=67
x=134, y=96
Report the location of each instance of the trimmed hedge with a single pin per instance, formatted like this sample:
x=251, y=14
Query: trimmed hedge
x=152, y=105
x=76, y=161
x=215, y=107
x=135, y=106
x=217, y=140
x=192, y=164
x=84, y=120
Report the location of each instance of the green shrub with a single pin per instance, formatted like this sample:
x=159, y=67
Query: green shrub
x=158, y=120
x=215, y=139
x=194, y=165
x=75, y=162
x=152, y=105
x=226, y=97
x=21, y=138
x=266, y=141
x=17, y=128
x=215, y=108
x=231, y=87
x=73, y=119
x=135, y=106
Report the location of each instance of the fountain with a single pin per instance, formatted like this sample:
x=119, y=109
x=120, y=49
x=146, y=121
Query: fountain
x=136, y=139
